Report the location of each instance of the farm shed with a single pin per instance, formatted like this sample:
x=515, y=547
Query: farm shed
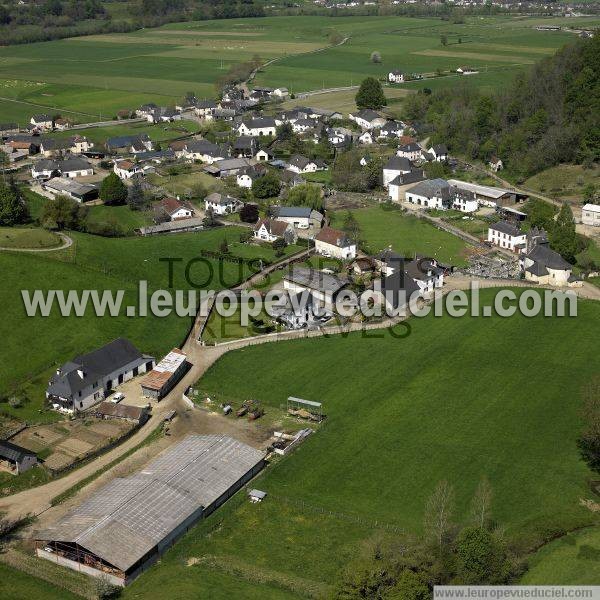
x=134, y=414
x=161, y=380
x=16, y=459
x=129, y=523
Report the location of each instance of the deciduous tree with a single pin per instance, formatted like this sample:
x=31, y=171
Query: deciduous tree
x=370, y=94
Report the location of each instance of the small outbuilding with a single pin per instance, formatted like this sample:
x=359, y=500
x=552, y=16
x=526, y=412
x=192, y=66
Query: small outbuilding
x=16, y=459
x=161, y=380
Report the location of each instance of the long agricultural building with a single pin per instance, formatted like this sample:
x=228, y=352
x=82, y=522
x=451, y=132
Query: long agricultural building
x=128, y=524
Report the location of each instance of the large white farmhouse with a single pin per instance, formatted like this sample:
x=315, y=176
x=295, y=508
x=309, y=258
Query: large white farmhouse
x=334, y=243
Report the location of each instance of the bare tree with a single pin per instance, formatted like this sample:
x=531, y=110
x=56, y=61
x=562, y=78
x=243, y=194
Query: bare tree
x=481, y=505
x=437, y=521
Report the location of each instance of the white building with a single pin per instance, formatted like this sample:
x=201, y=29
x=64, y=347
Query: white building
x=221, y=204
x=334, y=243
x=301, y=217
x=367, y=119
x=396, y=76
x=258, y=126
x=590, y=215
x=269, y=230
x=506, y=235
x=431, y=193
x=302, y=164
x=395, y=166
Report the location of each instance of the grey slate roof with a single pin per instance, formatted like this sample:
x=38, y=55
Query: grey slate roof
x=398, y=163
x=368, y=115
x=95, y=365
x=508, y=228
x=414, y=176
x=398, y=287
x=10, y=451
x=302, y=212
x=547, y=257
x=430, y=188
x=316, y=280
x=128, y=517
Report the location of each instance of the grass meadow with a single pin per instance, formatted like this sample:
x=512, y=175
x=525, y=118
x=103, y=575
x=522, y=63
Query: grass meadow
x=95, y=76
x=406, y=234
x=571, y=560
x=457, y=399
x=101, y=264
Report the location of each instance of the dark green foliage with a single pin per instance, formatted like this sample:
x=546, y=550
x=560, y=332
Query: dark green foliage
x=481, y=557
x=113, y=190
x=13, y=209
x=306, y=194
x=249, y=213
x=549, y=116
x=348, y=174
x=267, y=186
x=563, y=237
x=351, y=226
x=279, y=246
x=589, y=441
x=63, y=213
x=370, y=94
x=135, y=196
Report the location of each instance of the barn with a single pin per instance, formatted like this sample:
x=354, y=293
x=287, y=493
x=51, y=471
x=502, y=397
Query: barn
x=126, y=526
x=165, y=375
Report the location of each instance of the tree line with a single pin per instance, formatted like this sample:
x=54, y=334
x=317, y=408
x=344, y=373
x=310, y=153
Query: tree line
x=549, y=115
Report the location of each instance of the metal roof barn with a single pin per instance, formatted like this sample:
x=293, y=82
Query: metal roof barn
x=127, y=524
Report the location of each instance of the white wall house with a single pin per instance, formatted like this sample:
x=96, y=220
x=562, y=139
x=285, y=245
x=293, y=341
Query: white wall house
x=366, y=138
x=411, y=151
x=464, y=201
x=590, y=215
x=395, y=166
x=269, y=230
x=334, y=243
x=259, y=126
x=367, y=119
x=431, y=193
x=43, y=122
x=221, y=204
x=506, y=235
x=302, y=164
x=127, y=169
x=396, y=76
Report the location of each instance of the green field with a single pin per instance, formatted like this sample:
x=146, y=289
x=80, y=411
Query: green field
x=571, y=560
x=27, y=237
x=16, y=585
x=565, y=182
x=406, y=234
x=101, y=264
x=95, y=76
x=457, y=399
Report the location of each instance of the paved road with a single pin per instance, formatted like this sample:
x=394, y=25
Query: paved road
x=67, y=242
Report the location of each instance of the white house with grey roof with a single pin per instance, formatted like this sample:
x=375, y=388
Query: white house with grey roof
x=301, y=217
x=506, y=235
x=89, y=378
x=367, y=119
x=258, y=126
x=335, y=243
x=590, y=215
x=221, y=204
x=126, y=525
x=395, y=166
x=431, y=193
x=16, y=459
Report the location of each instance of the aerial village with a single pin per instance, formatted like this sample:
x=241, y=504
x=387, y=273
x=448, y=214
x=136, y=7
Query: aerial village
x=254, y=150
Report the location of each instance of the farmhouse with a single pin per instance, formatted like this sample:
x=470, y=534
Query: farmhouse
x=426, y=273
x=366, y=138
x=396, y=76
x=367, y=119
x=323, y=287
x=69, y=168
x=334, y=243
x=165, y=375
x=257, y=126
x=543, y=265
x=397, y=290
x=302, y=217
x=247, y=176
x=42, y=122
x=54, y=147
x=437, y=153
x=431, y=193
x=506, y=235
x=221, y=204
x=496, y=164
x=395, y=166
x=173, y=209
x=228, y=166
x=7, y=128
x=590, y=215
x=391, y=129
x=127, y=525
x=302, y=125
x=269, y=230
x=301, y=164
x=80, y=192
x=205, y=151
x=130, y=143
x=16, y=459
x=412, y=151
x=88, y=378
x=204, y=108
x=246, y=146
x=463, y=200
x=126, y=169
x=402, y=182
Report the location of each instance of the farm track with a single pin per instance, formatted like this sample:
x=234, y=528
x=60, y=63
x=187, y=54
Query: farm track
x=67, y=243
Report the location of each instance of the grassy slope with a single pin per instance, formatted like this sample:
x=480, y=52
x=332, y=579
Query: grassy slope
x=101, y=263
x=457, y=399
x=571, y=560
x=406, y=234
x=26, y=237
x=16, y=585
